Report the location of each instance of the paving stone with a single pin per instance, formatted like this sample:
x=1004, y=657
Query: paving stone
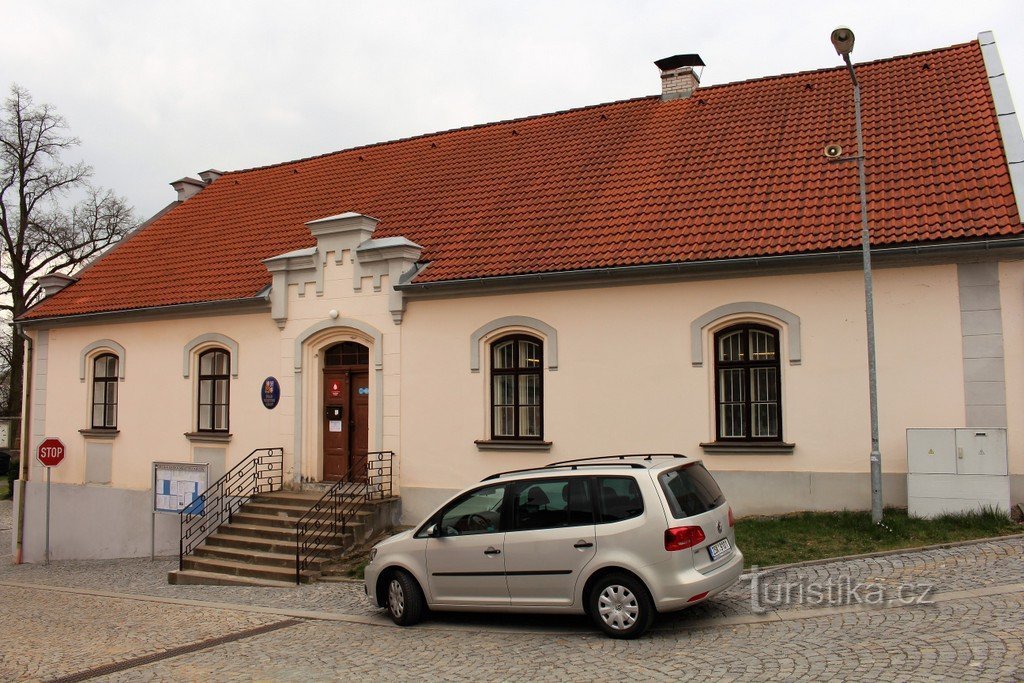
x=966, y=639
x=6, y=522
x=50, y=633
x=960, y=568
x=953, y=641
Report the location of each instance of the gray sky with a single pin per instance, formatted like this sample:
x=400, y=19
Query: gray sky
x=158, y=90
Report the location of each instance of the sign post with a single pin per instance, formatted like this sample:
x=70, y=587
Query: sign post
x=50, y=454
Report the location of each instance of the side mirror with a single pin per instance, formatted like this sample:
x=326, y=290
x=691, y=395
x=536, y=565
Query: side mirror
x=433, y=531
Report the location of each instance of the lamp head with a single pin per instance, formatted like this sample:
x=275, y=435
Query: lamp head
x=842, y=40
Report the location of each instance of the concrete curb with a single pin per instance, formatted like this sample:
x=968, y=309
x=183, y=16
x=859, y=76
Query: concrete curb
x=376, y=620
x=885, y=553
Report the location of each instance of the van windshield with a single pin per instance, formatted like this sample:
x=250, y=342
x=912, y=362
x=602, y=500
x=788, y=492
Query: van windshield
x=690, y=490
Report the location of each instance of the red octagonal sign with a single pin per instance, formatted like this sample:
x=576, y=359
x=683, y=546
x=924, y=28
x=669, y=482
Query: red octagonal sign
x=51, y=452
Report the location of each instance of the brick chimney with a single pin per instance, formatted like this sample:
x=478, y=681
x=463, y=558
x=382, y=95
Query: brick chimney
x=679, y=77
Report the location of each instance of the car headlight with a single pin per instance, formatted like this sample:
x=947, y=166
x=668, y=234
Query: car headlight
x=373, y=554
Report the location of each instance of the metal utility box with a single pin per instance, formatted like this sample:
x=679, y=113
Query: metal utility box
x=956, y=470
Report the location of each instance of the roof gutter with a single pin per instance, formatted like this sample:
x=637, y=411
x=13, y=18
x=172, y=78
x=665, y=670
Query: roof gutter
x=257, y=302
x=734, y=266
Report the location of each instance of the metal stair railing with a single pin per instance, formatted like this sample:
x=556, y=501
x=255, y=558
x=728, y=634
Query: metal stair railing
x=327, y=522
x=262, y=471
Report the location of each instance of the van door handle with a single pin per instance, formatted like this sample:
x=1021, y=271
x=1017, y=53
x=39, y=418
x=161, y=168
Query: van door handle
x=492, y=551
x=583, y=544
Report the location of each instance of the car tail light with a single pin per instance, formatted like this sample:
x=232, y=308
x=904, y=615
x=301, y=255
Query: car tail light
x=732, y=520
x=683, y=537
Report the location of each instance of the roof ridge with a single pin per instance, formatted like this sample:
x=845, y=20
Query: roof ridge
x=841, y=67
x=571, y=110
x=458, y=129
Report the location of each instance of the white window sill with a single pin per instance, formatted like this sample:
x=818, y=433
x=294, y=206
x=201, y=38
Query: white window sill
x=208, y=437
x=96, y=433
x=512, y=445
x=748, y=447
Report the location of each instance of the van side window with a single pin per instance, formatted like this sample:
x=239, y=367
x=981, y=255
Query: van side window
x=620, y=499
x=690, y=490
x=478, y=512
x=551, y=503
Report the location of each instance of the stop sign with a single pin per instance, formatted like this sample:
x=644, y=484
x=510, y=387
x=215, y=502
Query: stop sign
x=51, y=452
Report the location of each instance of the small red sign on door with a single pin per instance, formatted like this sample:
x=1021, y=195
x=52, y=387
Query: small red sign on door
x=335, y=388
x=51, y=452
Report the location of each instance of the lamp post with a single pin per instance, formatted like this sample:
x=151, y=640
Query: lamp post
x=842, y=39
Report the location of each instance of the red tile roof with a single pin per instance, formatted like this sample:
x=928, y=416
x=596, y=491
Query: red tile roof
x=735, y=171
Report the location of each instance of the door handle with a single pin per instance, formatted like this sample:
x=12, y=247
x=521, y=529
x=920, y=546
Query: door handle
x=583, y=544
x=492, y=551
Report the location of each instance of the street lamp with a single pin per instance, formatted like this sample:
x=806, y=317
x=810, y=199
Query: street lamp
x=842, y=39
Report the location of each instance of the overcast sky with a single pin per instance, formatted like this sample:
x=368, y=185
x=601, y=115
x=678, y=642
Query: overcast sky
x=159, y=90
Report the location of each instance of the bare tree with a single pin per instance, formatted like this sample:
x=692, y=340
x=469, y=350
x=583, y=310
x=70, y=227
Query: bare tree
x=39, y=232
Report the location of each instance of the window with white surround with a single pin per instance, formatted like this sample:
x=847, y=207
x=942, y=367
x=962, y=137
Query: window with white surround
x=748, y=385
x=104, y=391
x=517, y=388
x=214, y=382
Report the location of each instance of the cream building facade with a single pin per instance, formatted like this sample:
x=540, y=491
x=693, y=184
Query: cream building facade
x=462, y=377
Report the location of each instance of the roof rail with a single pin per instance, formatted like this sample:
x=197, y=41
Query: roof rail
x=645, y=456
x=634, y=466
x=587, y=462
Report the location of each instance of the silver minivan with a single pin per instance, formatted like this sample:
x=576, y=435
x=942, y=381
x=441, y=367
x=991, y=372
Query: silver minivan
x=619, y=538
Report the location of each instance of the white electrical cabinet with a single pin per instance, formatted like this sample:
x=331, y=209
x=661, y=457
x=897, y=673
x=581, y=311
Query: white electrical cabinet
x=956, y=470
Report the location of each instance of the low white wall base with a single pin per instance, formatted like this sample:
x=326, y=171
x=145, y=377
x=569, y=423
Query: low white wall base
x=93, y=522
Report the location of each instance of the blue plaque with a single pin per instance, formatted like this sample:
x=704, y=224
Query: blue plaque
x=270, y=392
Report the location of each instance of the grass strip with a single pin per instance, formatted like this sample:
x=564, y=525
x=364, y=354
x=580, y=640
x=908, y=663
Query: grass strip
x=803, y=536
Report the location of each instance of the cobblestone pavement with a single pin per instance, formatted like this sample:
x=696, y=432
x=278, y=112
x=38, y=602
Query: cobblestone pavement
x=965, y=640
x=959, y=568
x=48, y=633
x=976, y=638
x=6, y=515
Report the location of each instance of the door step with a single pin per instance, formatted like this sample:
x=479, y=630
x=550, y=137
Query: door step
x=235, y=568
x=257, y=547
x=195, y=577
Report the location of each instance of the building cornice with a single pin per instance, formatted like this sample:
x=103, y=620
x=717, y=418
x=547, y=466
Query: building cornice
x=224, y=307
x=923, y=254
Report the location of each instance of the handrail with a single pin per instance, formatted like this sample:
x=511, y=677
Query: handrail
x=261, y=471
x=327, y=520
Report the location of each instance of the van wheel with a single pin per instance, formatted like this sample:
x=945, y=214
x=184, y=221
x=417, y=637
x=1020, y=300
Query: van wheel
x=621, y=606
x=404, y=599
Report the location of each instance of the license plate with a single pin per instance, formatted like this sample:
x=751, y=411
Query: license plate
x=720, y=549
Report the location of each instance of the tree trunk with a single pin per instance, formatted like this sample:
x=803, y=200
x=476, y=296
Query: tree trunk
x=14, y=403
x=17, y=373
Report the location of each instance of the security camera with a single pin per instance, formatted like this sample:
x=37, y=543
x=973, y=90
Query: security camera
x=833, y=151
x=842, y=40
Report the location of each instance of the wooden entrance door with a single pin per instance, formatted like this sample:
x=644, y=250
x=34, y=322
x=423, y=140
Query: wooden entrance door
x=346, y=401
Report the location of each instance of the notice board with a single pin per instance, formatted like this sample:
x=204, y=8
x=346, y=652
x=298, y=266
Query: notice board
x=177, y=485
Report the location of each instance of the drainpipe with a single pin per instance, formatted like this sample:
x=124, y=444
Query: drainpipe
x=26, y=430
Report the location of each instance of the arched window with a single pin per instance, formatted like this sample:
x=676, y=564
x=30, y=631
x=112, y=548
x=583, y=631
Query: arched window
x=214, y=390
x=517, y=390
x=104, y=391
x=347, y=353
x=748, y=384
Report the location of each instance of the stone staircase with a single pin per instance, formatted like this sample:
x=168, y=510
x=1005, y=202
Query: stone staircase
x=257, y=547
